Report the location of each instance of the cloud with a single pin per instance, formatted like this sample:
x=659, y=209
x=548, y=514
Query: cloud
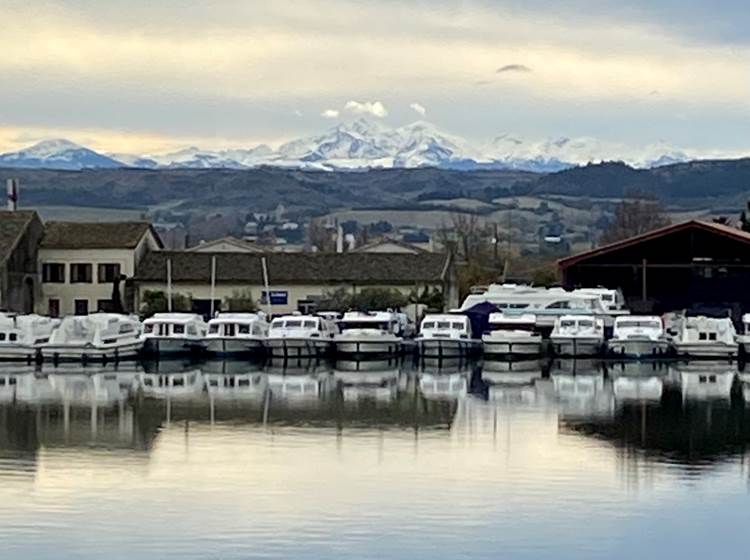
x=330, y=114
x=374, y=108
x=297, y=113
x=419, y=108
x=521, y=68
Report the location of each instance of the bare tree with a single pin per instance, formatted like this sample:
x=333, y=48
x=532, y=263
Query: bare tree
x=634, y=215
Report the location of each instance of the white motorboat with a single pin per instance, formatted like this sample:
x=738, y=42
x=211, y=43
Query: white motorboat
x=706, y=337
x=446, y=336
x=22, y=336
x=512, y=334
x=292, y=336
x=577, y=335
x=375, y=333
x=99, y=337
x=637, y=336
x=743, y=338
x=174, y=333
x=546, y=304
x=232, y=334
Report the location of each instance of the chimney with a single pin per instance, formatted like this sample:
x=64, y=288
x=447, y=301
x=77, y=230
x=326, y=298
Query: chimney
x=12, y=193
x=339, y=239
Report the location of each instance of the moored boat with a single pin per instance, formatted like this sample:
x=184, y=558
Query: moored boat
x=99, y=337
x=174, y=333
x=22, y=336
x=706, y=337
x=292, y=336
x=512, y=334
x=577, y=335
x=369, y=334
x=637, y=336
x=446, y=336
x=235, y=334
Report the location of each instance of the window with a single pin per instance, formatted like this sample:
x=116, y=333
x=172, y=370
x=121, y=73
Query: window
x=428, y=326
x=559, y=305
x=105, y=305
x=12, y=337
x=213, y=329
x=53, y=307
x=457, y=326
x=2, y=337
x=107, y=273
x=702, y=336
x=80, y=273
x=53, y=273
x=127, y=328
x=178, y=329
x=309, y=324
x=192, y=331
x=229, y=329
x=81, y=307
x=712, y=336
x=243, y=329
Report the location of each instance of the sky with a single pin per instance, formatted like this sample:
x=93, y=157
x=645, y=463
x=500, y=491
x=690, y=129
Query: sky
x=150, y=76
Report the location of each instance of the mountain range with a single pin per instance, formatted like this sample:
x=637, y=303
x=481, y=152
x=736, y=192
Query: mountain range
x=360, y=144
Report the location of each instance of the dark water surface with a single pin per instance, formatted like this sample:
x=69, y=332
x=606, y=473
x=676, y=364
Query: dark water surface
x=374, y=460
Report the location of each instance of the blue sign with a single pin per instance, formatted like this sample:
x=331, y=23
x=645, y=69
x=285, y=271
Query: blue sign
x=278, y=297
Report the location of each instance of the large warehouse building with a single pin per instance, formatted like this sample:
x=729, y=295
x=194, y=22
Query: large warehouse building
x=681, y=266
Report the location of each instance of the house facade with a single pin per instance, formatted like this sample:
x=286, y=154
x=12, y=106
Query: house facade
x=20, y=234
x=80, y=264
x=297, y=281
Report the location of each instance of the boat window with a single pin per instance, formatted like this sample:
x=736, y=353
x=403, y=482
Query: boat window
x=277, y=325
x=12, y=337
x=518, y=305
x=126, y=328
x=559, y=305
x=586, y=324
x=213, y=329
x=702, y=336
x=712, y=336
x=2, y=336
x=458, y=326
x=567, y=323
x=257, y=330
x=429, y=325
x=243, y=329
x=444, y=325
x=178, y=329
x=293, y=324
x=309, y=324
x=148, y=328
x=229, y=329
x=639, y=323
x=192, y=330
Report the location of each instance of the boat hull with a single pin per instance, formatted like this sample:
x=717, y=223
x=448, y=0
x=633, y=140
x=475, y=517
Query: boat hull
x=160, y=346
x=297, y=347
x=18, y=353
x=88, y=353
x=712, y=350
x=365, y=347
x=638, y=348
x=580, y=346
x=230, y=346
x=512, y=347
x=446, y=347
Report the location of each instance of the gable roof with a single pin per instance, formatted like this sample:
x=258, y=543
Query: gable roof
x=711, y=227
x=240, y=245
x=96, y=235
x=12, y=227
x=388, y=241
x=297, y=268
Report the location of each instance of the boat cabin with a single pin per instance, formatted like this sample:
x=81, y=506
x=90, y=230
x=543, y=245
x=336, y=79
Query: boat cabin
x=446, y=326
x=384, y=321
x=237, y=325
x=307, y=324
x=650, y=326
x=578, y=325
x=512, y=322
x=177, y=325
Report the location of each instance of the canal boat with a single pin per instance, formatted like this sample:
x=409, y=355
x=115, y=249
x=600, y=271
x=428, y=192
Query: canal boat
x=293, y=336
x=99, y=337
x=743, y=338
x=236, y=334
x=638, y=336
x=22, y=336
x=369, y=334
x=706, y=337
x=446, y=336
x=174, y=333
x=577, y=335
x=512, y=334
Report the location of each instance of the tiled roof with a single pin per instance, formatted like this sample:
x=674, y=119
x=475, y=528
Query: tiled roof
x=12, y=227
x=297, y=268
x=95, y=235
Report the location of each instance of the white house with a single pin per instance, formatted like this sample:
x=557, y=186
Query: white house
x=81, y=262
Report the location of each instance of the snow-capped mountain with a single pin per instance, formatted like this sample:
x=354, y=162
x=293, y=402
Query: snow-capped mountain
x=58, y=154
x=364, y=144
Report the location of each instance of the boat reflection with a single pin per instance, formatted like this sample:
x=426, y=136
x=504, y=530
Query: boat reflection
x=705, y=380
x=581, y=389
x=371, y=379
x=635, y=381
x=518, y=382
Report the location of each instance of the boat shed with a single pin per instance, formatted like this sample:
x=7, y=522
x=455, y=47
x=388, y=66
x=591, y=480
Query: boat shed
x=691, y=265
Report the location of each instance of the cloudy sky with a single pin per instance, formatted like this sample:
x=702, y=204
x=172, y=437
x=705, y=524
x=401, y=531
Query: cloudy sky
x=145, y=76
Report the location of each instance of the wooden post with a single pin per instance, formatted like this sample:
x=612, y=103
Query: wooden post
x=644, y=287
x=169, y=285
x=213, y=284
x=266, y=284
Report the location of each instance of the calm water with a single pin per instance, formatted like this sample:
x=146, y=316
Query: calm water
x=374, y=460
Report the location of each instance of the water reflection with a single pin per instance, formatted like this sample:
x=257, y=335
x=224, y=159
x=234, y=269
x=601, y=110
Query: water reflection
x=458, y=448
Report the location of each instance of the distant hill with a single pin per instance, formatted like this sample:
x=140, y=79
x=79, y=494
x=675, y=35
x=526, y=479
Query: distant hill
x=699, y=182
